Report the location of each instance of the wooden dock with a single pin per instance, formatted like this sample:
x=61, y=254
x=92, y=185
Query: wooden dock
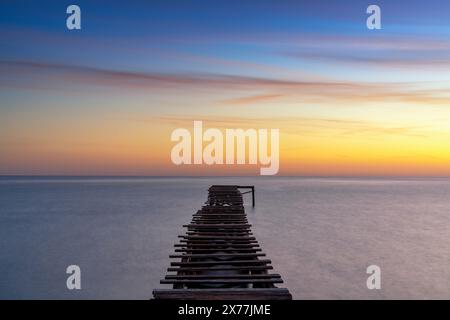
x=219, y=258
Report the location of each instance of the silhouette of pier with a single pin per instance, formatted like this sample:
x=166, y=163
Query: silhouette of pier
x=218, y=258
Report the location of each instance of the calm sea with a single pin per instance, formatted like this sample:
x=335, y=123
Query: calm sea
x=320, y=233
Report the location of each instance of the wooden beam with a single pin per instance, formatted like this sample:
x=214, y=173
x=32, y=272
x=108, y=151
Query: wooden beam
x=221, y=268
x=218, y=249
x=218, y=226
x=223, y=294
x=224, y=281
x=211, y=263
x=216, y=255
x=225, y=276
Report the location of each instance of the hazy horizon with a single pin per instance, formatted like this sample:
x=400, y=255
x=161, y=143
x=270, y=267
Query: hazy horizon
x=226, y=176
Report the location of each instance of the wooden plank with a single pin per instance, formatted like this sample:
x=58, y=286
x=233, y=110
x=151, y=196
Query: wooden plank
x=219, y=233
x=217, y=242
x=197, y=237
x=215, y=255
x=223, y=294
x=224, y=281
x=226, y=262
x=221, y=213
x=217, y=229
x=223, y=209
x=219, y=245
x=218, y=249
x=214, y=223
x=217, y=218
x=221, y=217
x=221, y=268
x=220, y=225
x=203, y=240
x=225, y=276
x=220, y=220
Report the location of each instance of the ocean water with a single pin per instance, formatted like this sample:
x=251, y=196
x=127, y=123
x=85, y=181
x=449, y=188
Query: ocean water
x=320, y=233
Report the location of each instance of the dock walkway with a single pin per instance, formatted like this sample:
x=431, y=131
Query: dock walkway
x=219, y=258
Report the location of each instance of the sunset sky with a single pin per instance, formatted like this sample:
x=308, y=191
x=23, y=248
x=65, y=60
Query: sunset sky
x=104, y=100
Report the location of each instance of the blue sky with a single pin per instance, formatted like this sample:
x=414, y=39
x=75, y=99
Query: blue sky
x=175, y=60
x=247, y=30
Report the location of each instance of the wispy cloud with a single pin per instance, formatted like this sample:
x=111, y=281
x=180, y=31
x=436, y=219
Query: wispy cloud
x=388, y=50
x=50, y=75
x=302, y=126
x=386, y=59
x=99, y=76
x=252, y=99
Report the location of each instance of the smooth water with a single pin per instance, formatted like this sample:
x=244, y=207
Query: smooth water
x=320, y=233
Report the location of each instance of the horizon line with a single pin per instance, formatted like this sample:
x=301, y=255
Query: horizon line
x=216, y=176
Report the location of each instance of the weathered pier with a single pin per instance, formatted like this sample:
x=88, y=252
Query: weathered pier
x=219, y=258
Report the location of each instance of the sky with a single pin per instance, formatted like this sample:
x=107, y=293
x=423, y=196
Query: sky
x=103, y=100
